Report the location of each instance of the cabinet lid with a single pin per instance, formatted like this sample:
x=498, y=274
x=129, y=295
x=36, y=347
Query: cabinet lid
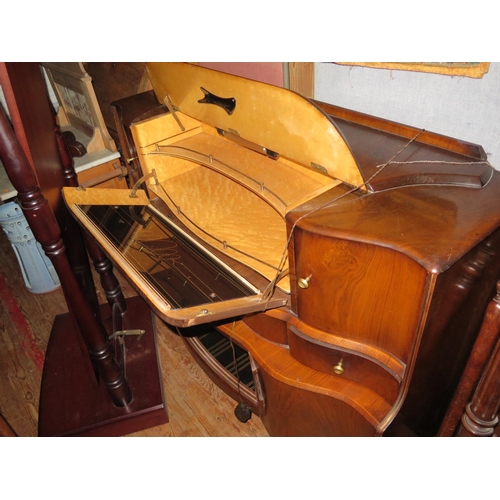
x=276, y=119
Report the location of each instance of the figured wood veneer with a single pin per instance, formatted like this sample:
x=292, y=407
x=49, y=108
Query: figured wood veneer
x=235, y=202
x=271, y=117
x=369, y=291
x=285, y=377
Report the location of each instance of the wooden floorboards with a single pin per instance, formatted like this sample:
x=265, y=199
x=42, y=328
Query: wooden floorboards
x=196, y=406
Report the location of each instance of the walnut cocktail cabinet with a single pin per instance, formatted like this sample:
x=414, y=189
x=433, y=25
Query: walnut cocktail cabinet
x=328, y=269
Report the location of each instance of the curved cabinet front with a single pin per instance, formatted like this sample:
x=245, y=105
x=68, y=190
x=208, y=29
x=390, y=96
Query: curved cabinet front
x=344, y=364
x=368, y=293
x=304, y=401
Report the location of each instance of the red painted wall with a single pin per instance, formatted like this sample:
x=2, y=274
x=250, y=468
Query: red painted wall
x=267, y=72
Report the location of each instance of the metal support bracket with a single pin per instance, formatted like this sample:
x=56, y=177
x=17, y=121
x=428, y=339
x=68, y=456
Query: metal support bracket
x=141, y=181
x=121, y=334
x=171, y=108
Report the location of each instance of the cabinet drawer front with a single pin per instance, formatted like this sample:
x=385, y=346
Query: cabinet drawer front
x=357, y=290
x=348, y=365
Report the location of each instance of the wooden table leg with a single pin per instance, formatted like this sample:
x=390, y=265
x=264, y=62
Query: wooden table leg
x=481, y=414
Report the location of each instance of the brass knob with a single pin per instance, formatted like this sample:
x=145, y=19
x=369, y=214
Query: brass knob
x=338, y=369
x=304, y=282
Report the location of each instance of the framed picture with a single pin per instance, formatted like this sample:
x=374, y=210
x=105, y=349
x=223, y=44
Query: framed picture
x=470, y=69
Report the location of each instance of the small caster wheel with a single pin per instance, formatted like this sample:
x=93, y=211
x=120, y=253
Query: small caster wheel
x=243, y=412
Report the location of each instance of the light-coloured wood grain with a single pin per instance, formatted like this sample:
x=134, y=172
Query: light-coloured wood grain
x=271, y=117
x=231, y=197
x=103, y=196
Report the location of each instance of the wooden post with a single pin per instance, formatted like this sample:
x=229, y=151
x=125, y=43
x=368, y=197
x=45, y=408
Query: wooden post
x=102, y=264
x=46, y=230
x=481, y=352
x=481, y=414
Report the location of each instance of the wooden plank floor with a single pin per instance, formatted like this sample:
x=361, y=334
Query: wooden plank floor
x=196, y=406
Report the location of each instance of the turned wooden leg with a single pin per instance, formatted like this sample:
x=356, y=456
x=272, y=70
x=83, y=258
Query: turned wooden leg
x=74, y=241
x=47, y=232
x=476, y=363
x=102, y=264
x=104, y=268
x=481, y=414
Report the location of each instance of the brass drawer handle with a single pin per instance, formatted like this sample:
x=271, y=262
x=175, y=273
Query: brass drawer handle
x=304, y=282
x=338, y=369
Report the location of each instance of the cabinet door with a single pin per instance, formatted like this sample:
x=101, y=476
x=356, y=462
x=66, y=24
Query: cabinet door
x=359, y=291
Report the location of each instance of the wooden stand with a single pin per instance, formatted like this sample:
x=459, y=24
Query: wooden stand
x=72, y=403
x=87, y=389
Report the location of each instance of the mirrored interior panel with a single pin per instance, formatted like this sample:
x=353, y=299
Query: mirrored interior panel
x=180, y=270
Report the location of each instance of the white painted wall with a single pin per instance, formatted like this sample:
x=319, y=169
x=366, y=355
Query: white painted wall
x=460, y=107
